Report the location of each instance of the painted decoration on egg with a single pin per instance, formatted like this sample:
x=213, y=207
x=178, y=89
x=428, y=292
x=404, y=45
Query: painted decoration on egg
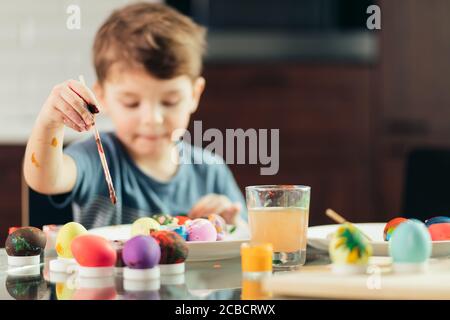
x=390, y=227
x=349, y=246
x=165, y=219
x=173, y=247
x=26, y=241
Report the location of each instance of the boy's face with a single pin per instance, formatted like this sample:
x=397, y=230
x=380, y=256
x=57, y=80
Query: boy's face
x=146, y=110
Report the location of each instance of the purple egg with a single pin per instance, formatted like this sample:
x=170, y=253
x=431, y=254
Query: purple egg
x=141, y=252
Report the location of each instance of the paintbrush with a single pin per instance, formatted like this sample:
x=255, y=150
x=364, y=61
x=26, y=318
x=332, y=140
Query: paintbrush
x=93, y=109
x=340, y=219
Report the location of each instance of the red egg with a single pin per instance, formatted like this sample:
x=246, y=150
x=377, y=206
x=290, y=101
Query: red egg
x=439, y=231
x=93, y=251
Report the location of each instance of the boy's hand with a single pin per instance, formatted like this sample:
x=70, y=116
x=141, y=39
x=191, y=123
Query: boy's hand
x=67, y=105
x=218, y=204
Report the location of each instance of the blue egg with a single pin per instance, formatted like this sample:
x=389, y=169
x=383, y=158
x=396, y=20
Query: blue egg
x=410, y=243
x=434, y=220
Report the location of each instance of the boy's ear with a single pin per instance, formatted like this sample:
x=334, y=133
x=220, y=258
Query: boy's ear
x=99, y=92
x=198, y=88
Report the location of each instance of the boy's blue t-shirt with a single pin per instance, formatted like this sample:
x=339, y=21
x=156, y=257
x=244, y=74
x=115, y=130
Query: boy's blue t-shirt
x=139, y=195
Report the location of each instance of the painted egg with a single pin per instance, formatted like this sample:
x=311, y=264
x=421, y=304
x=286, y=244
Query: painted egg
x=26, y=241
x=220, y=225
x=440, y=219
x=26, y=288
x=349, y=246
x=66, y=234
x=390, y=227
x=173, y=247
x=201, y=230
x=108, y=293
x=90, y=250
x=180, y=230
x=141, y=252
x=64, y=291
x=439, y=231
x=182, y=219
x=410, y=243
x=165, y=219
x=144, y=226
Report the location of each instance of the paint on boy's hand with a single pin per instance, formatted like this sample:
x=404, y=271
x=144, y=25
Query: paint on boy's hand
x=91, y=107
x=54, y=142
x=34, y=161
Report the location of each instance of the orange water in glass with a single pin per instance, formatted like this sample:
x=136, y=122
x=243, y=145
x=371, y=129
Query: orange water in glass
x=285, y=228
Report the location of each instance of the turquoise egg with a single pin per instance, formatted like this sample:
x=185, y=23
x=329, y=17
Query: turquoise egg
x=410, y=243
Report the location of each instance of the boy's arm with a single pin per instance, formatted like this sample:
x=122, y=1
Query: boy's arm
x=46, y=169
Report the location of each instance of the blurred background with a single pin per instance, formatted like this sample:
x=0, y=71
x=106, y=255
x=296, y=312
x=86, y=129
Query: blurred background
x=363, y=114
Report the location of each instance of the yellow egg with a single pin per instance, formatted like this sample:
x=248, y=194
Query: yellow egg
x=63, y=292
x=143, y=226
x=66, y=234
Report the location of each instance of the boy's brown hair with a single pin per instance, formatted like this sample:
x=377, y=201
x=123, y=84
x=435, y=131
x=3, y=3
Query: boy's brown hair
x=154, y=36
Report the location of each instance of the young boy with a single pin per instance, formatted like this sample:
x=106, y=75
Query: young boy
x=148, y=60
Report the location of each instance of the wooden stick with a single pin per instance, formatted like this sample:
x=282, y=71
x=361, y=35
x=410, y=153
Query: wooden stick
x=112, y=192
x=340, y=219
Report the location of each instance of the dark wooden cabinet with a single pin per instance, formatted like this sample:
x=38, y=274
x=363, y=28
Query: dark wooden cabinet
x=10, y=188
x=324, y=116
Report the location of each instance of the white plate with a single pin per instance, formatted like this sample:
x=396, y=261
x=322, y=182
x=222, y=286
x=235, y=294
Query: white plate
x=198, y=250
x=319, y=237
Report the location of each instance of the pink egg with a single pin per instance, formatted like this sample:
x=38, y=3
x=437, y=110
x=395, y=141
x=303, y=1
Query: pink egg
x=201, y=230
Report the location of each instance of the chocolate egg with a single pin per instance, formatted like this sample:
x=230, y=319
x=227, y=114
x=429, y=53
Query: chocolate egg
x=410, y=243
x=26, y=241
x=173, y=247
x=439, y=231
x=349, y=247
x=66, y=234
x=141, y=252
x=201, y=230
x=144, y=226
x=390, y=227
x=434, y=220
x=90, y=250
x=26, y=288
